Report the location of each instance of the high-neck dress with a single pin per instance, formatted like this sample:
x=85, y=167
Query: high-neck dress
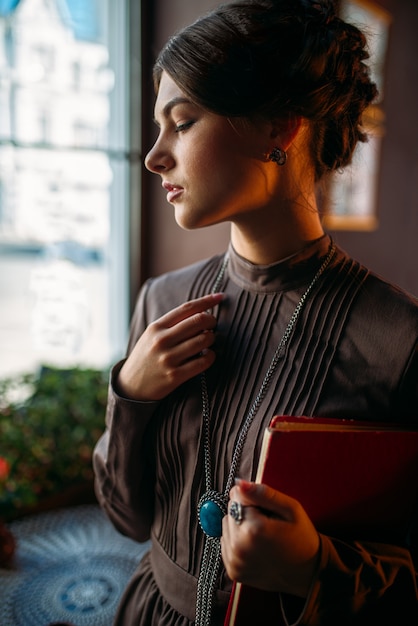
x=352, y=354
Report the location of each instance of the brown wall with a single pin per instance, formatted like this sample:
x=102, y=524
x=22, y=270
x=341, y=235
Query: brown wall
x=392, y=249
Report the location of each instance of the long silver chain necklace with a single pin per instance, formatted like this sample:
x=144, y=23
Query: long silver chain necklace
x=212, y=505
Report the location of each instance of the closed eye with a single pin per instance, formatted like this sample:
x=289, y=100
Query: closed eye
x=185, y=126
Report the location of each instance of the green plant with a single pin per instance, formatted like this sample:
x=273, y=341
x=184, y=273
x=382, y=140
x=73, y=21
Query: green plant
x=47, y=438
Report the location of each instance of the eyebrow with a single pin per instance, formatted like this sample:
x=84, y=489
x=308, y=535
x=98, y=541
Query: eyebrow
x=171, y=104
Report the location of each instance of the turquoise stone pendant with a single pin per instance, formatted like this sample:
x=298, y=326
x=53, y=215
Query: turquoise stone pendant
x=210, y=510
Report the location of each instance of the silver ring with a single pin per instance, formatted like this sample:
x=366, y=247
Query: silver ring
x=236, y=511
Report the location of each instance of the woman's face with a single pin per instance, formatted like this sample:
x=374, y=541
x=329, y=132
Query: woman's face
x=214, y=169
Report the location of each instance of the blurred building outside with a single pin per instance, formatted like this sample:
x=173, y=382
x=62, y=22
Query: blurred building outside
x=56, y=177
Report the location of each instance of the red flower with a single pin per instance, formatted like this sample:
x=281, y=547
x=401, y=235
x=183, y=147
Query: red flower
x=4, y=468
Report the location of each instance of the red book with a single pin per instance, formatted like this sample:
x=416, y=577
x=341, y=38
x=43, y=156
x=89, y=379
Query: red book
x=355, y=480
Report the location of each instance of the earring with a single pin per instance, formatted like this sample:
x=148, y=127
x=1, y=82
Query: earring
x=279, y=156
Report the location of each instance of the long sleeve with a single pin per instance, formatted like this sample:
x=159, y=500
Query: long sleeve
x=120, y=455
x=363, y=584
x=122, y=461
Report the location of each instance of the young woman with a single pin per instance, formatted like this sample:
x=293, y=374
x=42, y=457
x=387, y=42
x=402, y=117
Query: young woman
x=257, y=102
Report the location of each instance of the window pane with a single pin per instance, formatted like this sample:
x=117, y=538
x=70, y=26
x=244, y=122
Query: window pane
x=61, y=159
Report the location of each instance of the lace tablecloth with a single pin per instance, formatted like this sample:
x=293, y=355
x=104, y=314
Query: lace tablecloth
x=71, y=565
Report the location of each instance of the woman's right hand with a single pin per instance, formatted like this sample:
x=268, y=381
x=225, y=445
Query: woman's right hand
x=172, y=350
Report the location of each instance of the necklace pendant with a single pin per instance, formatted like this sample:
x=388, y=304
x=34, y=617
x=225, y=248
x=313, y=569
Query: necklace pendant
x=210, y=510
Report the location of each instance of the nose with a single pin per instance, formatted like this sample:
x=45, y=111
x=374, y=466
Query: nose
x=158, y=159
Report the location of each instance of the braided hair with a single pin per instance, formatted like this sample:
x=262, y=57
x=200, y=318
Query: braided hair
x=270, y=58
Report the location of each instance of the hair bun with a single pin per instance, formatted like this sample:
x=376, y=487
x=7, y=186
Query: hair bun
x=323, y=10
x=272, y=57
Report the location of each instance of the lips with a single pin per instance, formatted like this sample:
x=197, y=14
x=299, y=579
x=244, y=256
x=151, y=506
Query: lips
x=173, y=191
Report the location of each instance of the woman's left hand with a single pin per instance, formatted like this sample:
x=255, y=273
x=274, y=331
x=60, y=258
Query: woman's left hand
x=275, y=547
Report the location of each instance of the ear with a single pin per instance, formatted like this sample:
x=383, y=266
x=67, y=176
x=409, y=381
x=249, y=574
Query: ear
x=284, y=130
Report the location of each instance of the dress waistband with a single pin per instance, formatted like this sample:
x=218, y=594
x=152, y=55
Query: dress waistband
x=178, y=587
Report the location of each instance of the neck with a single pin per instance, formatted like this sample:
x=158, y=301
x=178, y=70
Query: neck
x=265, y=241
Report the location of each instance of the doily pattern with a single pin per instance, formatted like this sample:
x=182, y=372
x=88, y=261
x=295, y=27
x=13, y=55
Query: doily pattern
x=70, y=566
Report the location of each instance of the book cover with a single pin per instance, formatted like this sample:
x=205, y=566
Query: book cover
x=355, y=480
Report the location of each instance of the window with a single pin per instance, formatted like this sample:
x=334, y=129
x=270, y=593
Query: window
x=64, y=172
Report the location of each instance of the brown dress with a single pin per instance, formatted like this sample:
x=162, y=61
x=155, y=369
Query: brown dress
x=353, y=354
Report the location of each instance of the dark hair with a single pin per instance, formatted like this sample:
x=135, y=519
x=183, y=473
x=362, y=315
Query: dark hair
x=271, y=57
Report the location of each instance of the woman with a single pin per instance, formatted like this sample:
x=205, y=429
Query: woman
x=257, y=102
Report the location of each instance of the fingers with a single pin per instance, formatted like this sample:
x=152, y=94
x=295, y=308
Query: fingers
x=268, y=540
x=185, y=333
x=271, y=502
x=173, y=349
x=186, y=330
x=180, y=366
x=190, y=308
x=185, y=340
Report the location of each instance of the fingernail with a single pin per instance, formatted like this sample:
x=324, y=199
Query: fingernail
x=244, y=485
